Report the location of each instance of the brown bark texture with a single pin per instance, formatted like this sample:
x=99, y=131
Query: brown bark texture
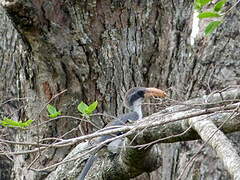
x=97, y=50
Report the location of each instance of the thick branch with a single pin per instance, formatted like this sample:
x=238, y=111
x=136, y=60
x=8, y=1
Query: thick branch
x=220, y=143
x=170, y=125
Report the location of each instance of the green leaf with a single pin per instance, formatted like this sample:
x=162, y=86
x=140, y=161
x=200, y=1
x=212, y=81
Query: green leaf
x=51, y=109
x=197, y=5
x=211, y=27
x=28, y=123
x=218, y=6
x=82, y=107
x=204, y=2
x=11, y=123
x=91, y=108
x=25, y=124
x=208, y=15
x=56, y=114
x=53, y=112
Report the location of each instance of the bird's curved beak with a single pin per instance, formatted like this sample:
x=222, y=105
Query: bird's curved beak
x=154, y=92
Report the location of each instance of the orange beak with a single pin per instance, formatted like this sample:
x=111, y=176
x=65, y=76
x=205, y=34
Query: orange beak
x=155, y=92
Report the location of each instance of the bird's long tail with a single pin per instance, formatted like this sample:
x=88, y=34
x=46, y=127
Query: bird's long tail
x=87, y=166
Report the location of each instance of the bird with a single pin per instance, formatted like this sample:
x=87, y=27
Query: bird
x=133, y=100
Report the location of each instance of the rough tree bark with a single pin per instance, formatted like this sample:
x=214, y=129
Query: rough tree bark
x=98, y=49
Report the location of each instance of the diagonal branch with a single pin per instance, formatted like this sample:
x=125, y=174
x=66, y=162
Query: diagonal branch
x=220, y=143
x=166, y=125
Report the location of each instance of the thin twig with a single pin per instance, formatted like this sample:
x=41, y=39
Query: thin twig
x=38, y=115
x=230, y=9
x=139, y=126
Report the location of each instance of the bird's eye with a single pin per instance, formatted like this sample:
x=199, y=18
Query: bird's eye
x=140, y=93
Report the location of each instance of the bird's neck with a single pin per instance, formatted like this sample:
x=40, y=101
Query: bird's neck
x=138, y=109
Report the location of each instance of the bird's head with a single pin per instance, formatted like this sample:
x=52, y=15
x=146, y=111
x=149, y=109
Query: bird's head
x=135, y=96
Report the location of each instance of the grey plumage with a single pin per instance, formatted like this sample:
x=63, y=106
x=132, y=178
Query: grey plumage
x=132, y=116
x=133, y=100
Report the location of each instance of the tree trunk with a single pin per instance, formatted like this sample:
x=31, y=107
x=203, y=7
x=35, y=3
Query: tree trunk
x=97, y=50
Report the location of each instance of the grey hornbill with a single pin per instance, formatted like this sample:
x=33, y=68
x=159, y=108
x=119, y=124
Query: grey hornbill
x=133, y=100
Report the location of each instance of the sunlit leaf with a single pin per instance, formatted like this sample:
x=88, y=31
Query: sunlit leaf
x=7, y=122
x=208, y=15
x=56, y=114
x=197, y=5
x=26, y=124
x=53, y=112
x=212, y=26
x=218, y=6
x=51, y=109
x=91, y=108
x=82, y=107
x=204, y=2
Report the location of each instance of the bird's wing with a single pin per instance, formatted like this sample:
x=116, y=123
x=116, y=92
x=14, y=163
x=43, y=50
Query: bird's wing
x=115, y=145
x=122, y=120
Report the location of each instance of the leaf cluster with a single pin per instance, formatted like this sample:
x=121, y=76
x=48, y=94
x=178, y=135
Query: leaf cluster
x=216, y=12
x=53, y=112
x=85, y=109
x=7, y=122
